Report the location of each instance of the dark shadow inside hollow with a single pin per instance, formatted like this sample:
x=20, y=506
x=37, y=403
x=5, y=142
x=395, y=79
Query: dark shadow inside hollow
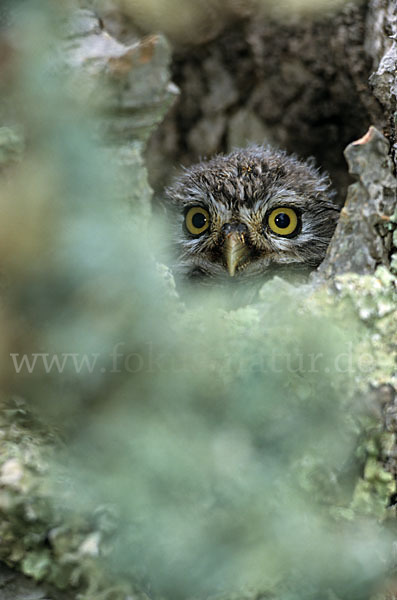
x=302, y=86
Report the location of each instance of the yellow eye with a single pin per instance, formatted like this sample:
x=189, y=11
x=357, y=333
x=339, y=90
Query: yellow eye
x=197, y=220
x=283, y=221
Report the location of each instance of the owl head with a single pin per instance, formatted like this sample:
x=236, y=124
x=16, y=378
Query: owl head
x=249, y=215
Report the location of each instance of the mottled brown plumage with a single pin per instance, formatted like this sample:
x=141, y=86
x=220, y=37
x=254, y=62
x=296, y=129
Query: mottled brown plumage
x=253, y=213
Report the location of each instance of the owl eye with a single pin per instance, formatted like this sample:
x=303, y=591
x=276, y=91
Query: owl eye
x=197, y=220
x=283, y=221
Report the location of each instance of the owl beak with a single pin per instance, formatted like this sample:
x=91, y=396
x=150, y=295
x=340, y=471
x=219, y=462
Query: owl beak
x=234, y=251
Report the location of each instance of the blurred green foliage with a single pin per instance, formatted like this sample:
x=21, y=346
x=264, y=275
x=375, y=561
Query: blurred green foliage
x=205, y=452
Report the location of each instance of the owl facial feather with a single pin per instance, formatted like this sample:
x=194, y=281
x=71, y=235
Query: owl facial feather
x=239, y=191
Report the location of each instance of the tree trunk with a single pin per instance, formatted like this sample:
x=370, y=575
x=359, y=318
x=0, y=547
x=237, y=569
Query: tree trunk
x=311, y=85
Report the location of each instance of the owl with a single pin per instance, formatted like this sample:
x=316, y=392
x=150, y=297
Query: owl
x=249, y=215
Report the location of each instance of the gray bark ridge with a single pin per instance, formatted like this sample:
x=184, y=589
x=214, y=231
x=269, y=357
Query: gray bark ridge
x=363, y=238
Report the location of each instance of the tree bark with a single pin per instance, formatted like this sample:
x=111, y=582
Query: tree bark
x=309, y=85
